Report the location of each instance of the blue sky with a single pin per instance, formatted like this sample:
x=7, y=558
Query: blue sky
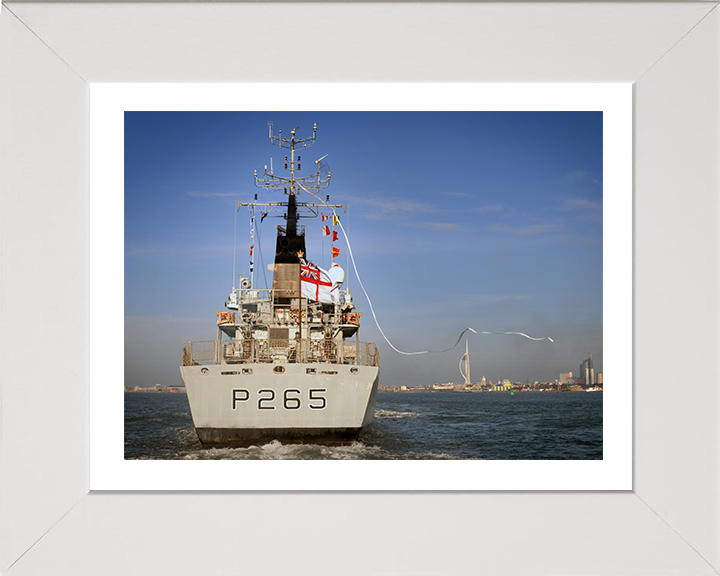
x=491, y=220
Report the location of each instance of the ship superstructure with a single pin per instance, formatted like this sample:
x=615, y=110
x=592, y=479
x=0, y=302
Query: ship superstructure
x=287, y=363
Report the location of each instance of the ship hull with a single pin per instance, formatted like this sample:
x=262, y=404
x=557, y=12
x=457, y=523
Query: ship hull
x=244, y=437
x=250, y=404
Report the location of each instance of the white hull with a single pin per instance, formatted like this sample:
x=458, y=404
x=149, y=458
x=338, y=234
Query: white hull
x=246, y=404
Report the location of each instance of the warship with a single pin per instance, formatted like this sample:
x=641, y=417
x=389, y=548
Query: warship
x=287, y=363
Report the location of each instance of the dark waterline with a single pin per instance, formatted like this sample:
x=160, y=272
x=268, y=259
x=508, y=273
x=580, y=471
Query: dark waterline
x=408, y=426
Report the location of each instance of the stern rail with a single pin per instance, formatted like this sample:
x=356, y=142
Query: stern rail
x=303, y=351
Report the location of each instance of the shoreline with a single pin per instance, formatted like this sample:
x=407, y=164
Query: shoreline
x=484, y=391
x=165, y=391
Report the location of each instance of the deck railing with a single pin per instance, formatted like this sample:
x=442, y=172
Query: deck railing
x=304, y=351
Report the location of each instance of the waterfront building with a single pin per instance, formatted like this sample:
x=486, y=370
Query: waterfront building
x=502, y=387
x=564, y=377
x=587, y=371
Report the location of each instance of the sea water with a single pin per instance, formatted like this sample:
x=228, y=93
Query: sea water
x=407, y=426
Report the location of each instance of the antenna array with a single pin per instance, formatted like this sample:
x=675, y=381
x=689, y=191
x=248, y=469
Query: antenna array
x=292, y=185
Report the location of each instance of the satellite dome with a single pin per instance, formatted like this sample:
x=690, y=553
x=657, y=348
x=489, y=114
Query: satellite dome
x=336, y=274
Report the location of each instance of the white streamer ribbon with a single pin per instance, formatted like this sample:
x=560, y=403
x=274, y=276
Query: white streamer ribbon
x=352, y=259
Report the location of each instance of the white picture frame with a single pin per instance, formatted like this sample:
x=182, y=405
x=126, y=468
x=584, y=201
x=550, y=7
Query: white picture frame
x=108, y=468
x=666, y=525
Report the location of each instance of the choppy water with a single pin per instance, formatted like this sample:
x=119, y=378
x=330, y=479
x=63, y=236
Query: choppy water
x=408, y=426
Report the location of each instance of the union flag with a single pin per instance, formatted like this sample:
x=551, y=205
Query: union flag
x=308, y=270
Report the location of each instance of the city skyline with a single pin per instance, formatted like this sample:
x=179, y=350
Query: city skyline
x=488, y=220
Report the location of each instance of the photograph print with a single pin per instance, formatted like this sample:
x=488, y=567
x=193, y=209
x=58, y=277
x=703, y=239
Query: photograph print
x=363, y=285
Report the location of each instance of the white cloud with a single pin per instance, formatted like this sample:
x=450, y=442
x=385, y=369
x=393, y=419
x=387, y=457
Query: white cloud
x=213, y=194
x=593, y=239
x=526, y=231
x=393, y=208
x=585, y=209
x=441, y=226
x=460, y=194
x=580, y=176
x=492, y=208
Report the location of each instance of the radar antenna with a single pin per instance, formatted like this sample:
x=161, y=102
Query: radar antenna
x=292, y=185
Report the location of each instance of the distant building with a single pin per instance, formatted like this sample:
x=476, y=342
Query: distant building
x=599, y=378
x=587, y=371
x=502, y=386
x=564, y=377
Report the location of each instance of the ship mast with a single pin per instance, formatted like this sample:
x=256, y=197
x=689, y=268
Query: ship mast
x=292, y=185
x=290, y=244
